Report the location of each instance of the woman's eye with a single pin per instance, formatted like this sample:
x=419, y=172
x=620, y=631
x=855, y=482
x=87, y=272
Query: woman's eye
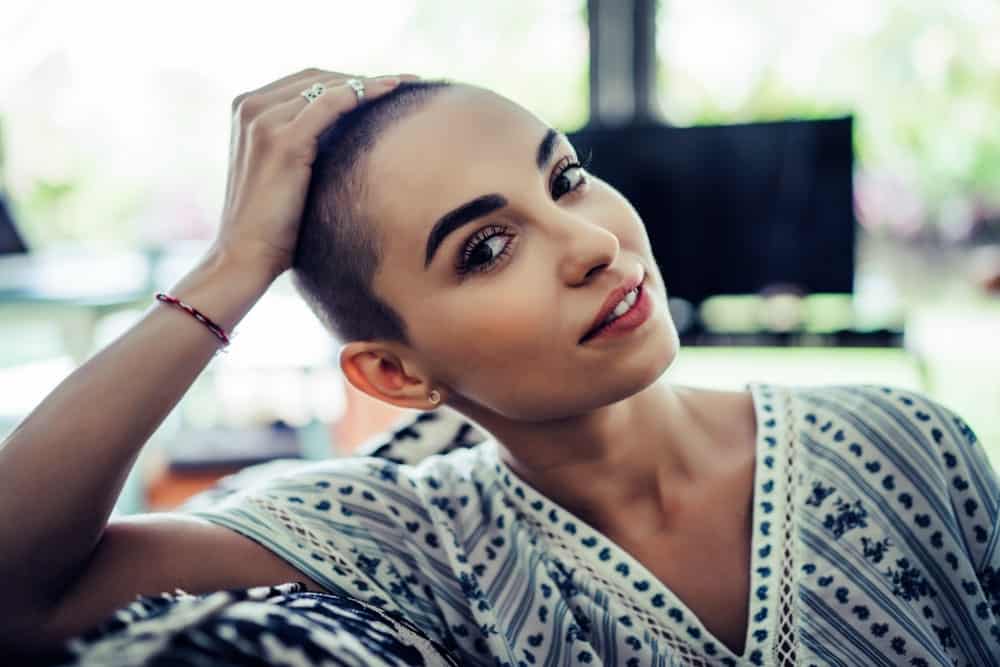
x=568, y=180
x=485, y=253
x=487, y=250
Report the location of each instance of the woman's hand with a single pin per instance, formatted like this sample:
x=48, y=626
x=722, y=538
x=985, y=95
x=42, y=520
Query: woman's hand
x=271, y=152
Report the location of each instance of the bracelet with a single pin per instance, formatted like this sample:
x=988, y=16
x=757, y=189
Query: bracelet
x=215, y=328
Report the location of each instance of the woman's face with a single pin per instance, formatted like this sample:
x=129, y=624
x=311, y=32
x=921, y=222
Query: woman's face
x=496, y=316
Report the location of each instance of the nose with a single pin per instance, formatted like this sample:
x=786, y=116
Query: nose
x=587, y=249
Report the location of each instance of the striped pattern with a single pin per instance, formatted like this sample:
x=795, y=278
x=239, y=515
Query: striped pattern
x=875, y=543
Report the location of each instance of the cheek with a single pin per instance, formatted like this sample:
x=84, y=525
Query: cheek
x=494, y=328
x=491, y=334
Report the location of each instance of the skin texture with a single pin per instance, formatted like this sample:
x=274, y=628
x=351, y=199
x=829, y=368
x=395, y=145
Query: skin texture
x=592, y=426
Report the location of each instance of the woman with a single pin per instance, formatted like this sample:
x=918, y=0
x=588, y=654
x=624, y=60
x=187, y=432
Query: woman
x=456, y=244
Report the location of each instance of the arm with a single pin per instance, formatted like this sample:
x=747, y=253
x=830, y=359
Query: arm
x=65, y=464
x=61, y=567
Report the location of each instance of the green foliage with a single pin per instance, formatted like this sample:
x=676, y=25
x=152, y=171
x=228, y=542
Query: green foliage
x=68, y=210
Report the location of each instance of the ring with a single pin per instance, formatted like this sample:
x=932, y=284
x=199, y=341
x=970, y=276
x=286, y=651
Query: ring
x=313, y=92
x=359, y=88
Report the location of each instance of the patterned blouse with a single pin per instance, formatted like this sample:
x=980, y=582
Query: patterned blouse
x=875, y=543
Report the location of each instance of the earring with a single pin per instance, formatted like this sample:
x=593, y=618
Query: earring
x=434, y=396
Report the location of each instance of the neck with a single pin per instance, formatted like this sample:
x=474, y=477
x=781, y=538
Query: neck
x=640, y=458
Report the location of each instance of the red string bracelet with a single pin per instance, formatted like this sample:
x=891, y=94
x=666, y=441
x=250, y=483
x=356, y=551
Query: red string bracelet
x=215, y=328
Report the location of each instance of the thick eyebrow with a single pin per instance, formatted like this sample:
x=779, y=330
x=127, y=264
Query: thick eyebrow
x=546, y=147
x=482, y=205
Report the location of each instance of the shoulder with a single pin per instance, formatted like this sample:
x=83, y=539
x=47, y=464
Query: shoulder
x=880, y=414
x=422, y=435
x=356, y=497
x=898, y=503
x=362, y=526
x=897, y=444
x=886, y=421
x=878, y=437
x=379, y=484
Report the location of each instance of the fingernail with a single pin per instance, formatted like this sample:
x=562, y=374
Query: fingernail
x=389, y=81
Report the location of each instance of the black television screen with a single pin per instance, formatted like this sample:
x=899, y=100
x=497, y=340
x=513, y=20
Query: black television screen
x=735, y=209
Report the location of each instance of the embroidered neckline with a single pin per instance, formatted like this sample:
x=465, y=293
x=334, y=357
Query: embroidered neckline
x=617, y=572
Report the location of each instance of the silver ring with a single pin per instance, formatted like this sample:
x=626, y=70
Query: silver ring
x=358, y=87
x=313, y=92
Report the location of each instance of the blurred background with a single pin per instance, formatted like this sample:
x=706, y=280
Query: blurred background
x=820, y=182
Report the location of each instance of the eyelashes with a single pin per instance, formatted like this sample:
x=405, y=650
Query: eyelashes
x=479, y=241
x=482, y=240
x=563, y=166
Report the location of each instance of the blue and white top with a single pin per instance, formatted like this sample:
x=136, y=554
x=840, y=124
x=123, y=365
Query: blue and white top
x=875, y=543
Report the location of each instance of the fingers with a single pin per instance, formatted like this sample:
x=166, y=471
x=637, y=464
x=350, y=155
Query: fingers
x=279, y=89
x=288, y=110
x=317, y=115
x=280, y=108
x=249, y=106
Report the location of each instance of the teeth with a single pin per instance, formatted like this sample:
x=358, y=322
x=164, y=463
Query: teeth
x=624, y=305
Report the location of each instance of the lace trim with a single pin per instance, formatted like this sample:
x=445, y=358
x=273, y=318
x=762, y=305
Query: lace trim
x=306, y=534
x=786, y=642
x=783, y=648
x=650, y=622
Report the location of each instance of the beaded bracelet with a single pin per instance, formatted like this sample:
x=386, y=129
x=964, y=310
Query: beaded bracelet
x=215, y=328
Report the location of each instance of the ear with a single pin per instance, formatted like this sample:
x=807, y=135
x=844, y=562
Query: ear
x=381, y=372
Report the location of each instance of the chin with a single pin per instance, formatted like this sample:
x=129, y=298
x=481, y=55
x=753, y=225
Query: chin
x=619, y=386
x=626, y=379
x=663, y=354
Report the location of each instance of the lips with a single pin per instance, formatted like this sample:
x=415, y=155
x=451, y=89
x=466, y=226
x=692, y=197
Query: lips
x=613, y=299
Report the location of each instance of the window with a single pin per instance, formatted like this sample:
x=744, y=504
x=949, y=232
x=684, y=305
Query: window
x=116, y=114
x=920, y=75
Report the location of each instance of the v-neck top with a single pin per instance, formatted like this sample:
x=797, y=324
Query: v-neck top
x=874, y=542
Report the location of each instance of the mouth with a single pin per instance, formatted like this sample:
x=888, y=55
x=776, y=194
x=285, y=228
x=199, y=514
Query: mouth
x=618, y=304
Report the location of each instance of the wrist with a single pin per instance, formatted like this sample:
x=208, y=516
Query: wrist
x=223, y=286
x=236, y=267
x=259, y=261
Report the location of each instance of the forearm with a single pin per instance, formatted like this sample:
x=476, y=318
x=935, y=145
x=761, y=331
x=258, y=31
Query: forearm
x=63, y=467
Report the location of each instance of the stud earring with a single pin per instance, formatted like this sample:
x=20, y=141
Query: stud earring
x=434, y=396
